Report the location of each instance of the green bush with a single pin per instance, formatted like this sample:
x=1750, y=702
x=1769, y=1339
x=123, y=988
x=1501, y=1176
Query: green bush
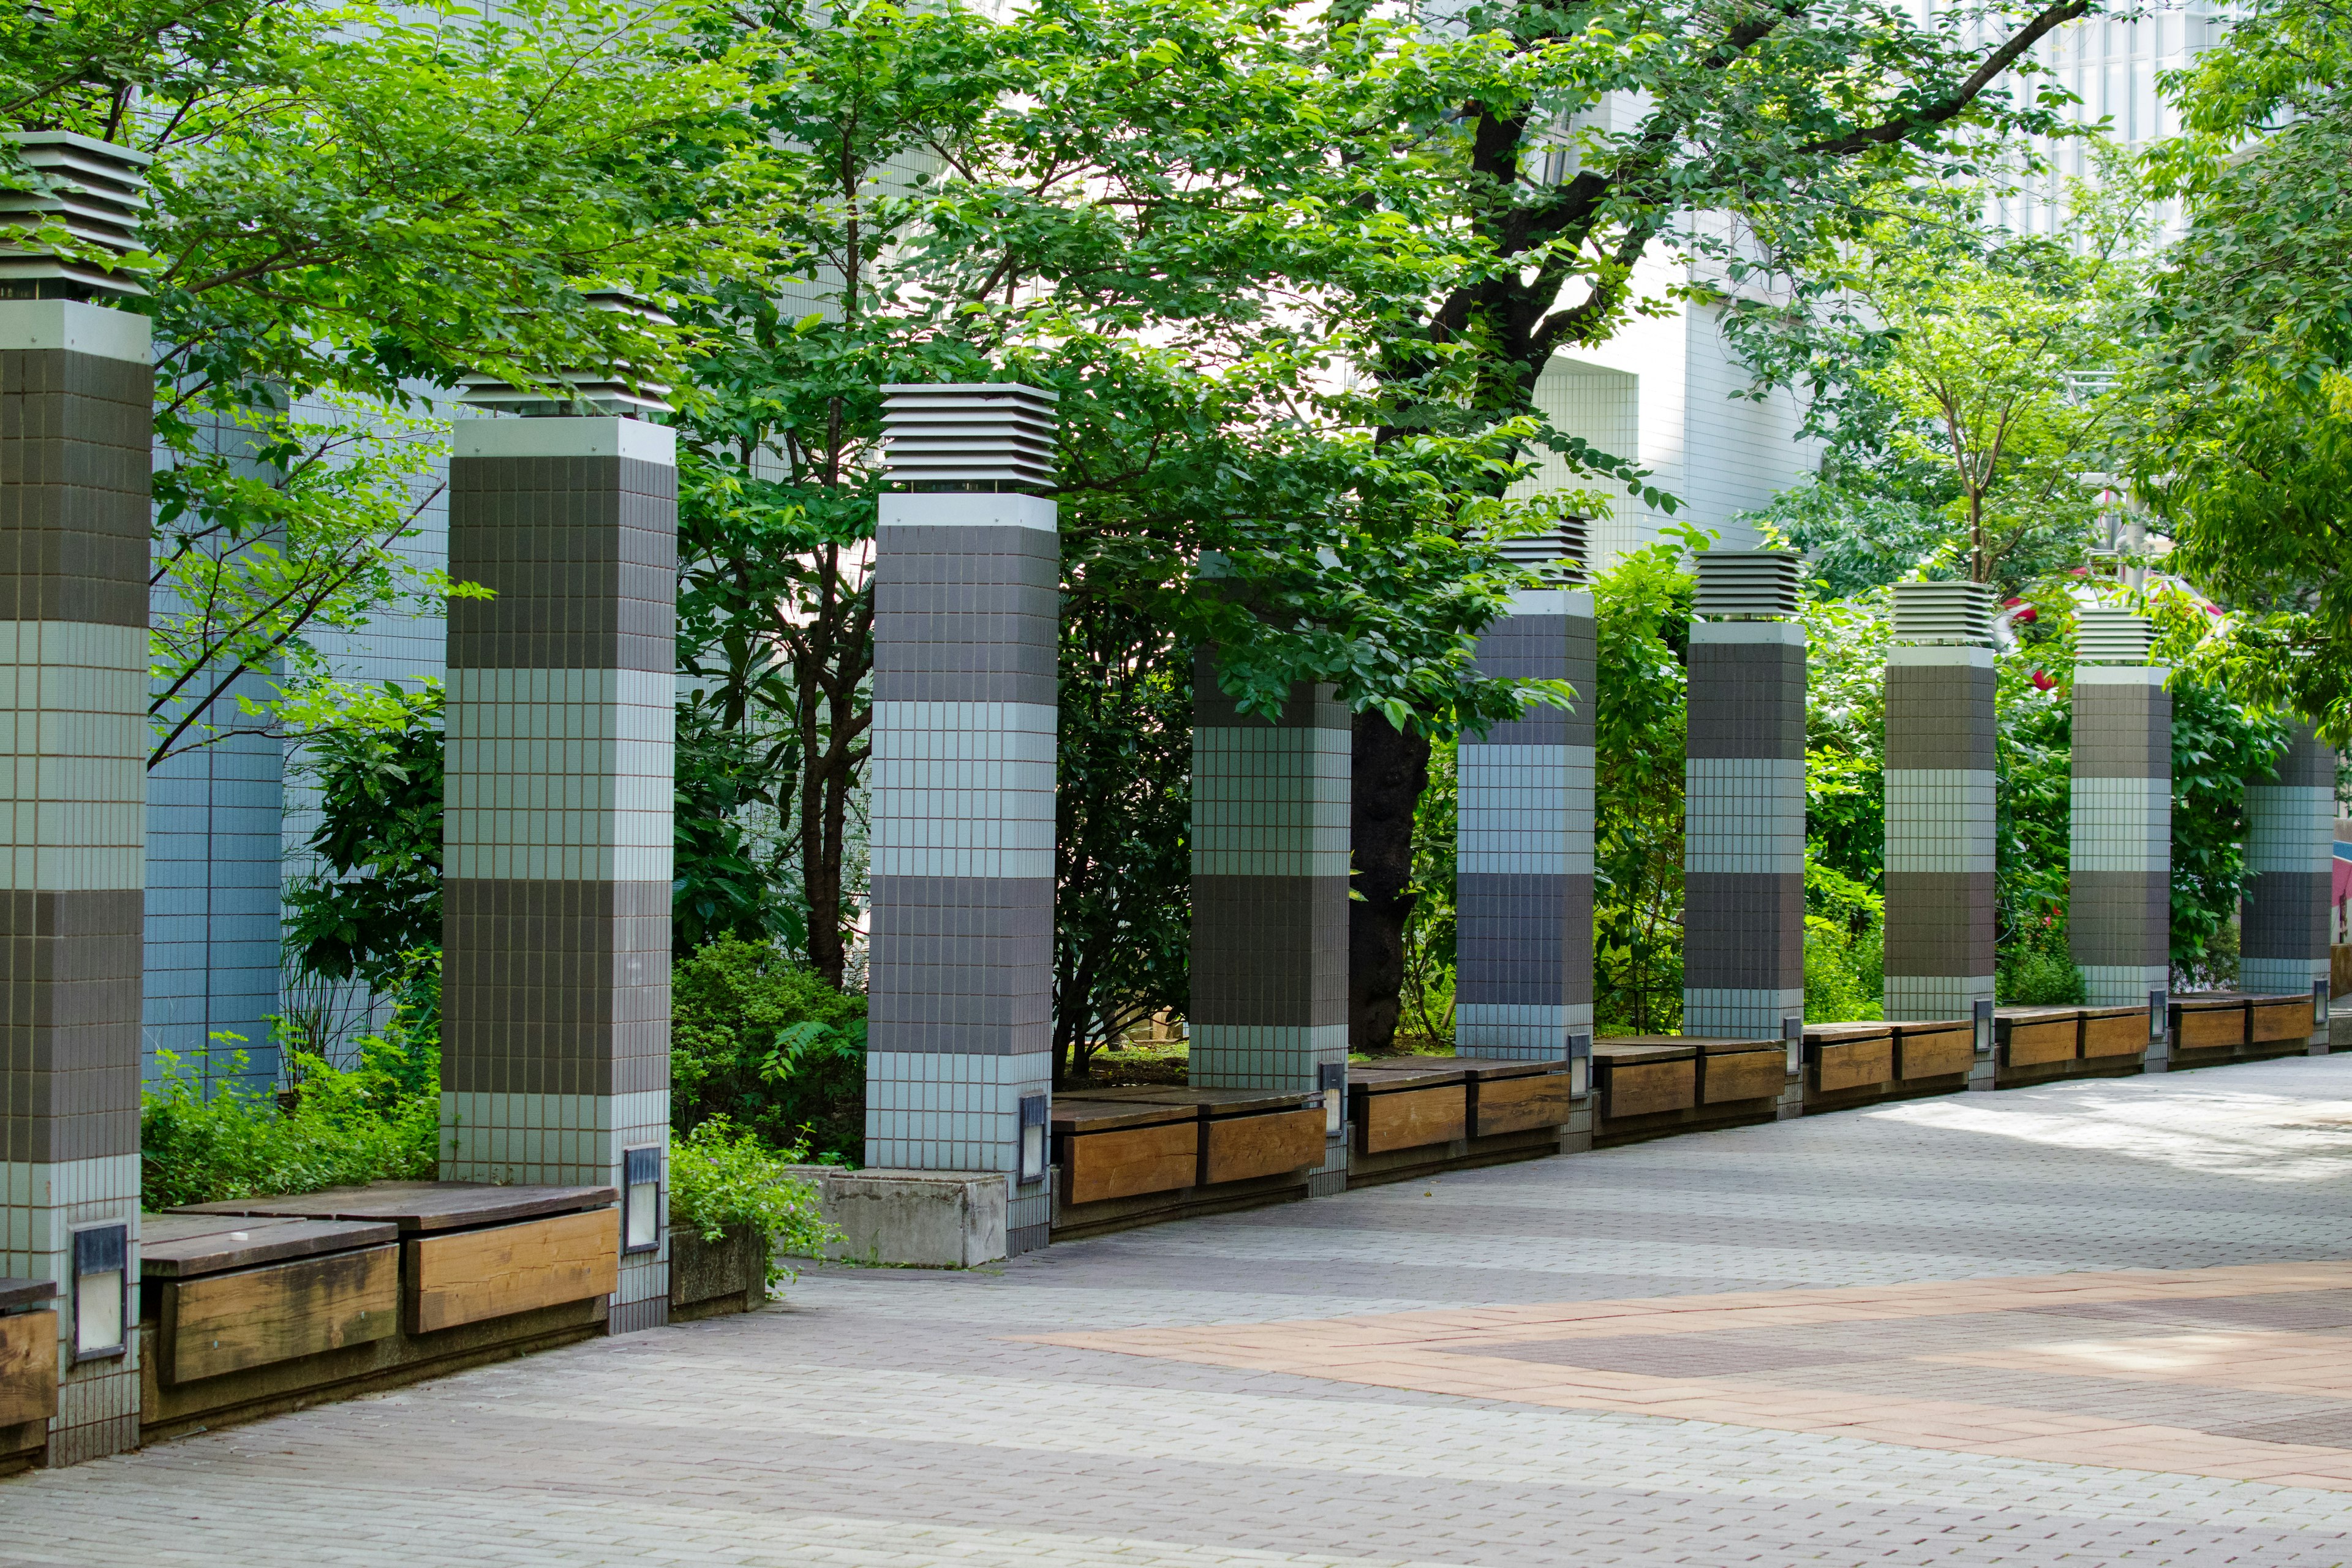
x=770, y=1047
x=720, y=1179
x=2037, y=970
x=330, y=1127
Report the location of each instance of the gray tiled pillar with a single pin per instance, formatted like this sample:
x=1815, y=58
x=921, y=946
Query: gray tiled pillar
x=966, y=571
x=1744, y=800
x=77, y=394
x=1939, y=802
x=2119, y=914
x=555, y=999
x=1270, y=832
x=1523, y=841
x=2290, y=850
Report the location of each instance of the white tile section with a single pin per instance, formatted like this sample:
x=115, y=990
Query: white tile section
x=1525, y=810
x=1940, y=819
x=963, y=789
x=1733, y=1014
x=2121, y=825
x=561, y=774
x=1939, y=656
x=2123, y=985
x=1517, y=1031
x=938, y=1111
x=78, y=328
x=2290, y=827
x=73, y=756
x=1264, y=1055
x=1785, y=634
x=43, y=1204
x=2121, y=673
x=564, y=437
x=1270, y=802
x=560, y=1139
x=2280, y=977
x=1931, y=998
x=956, y=509
x=1743, y=814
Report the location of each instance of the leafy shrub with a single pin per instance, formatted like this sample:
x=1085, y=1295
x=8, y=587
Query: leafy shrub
x=380, y=799
x=342, y=1128
x=721, y=1179
x=770, y=1047
x=2037, y=970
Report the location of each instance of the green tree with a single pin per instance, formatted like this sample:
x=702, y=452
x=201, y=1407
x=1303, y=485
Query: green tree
x=2246, y=452
x=378, y=903
x=1642, y=610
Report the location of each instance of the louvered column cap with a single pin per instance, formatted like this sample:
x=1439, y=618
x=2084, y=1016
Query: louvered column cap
x=970, y=435
x=1943, y=613
x=1748, y=582
x=608, y=392
x=99, y=191
x=1557, y=553
x=2105, y=634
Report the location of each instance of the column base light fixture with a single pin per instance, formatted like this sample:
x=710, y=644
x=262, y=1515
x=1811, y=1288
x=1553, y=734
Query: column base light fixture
x=1033, y=1140
x=101, y=1270
x=641, y=1205
x=1332, y=1078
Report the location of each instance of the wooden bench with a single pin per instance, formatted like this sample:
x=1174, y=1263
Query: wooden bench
x=255, y=1306
x=228, y=1293
x=1138, y=1156
x=1415, y=1116
x=28, y=1371
x=2043, y=1044
x=2209, y=1028
x=1652, y=1086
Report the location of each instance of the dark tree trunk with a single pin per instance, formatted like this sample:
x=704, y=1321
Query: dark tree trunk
x=1391, y=771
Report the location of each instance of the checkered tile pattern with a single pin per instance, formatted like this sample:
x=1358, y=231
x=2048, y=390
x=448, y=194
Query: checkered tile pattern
x=960, y=977
x=555, y=1053
x=1744, y=827
x=2290, y=849
x=1940, y=831
x=2121, y=842
x=1523, y=846
x=1270, y=832
x=76, y=432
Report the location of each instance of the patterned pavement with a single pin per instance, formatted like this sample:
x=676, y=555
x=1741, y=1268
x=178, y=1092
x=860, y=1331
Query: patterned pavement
x=2101, y=1323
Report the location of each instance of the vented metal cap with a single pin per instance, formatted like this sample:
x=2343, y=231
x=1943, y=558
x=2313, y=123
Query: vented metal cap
x=1749, y=583
x=2106, y=635
x=610, y=392
x=970, y=435
x=1557, y=552
x=1943, y=613
x=98, y=190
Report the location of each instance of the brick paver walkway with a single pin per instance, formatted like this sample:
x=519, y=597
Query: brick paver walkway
x=2053, y=1326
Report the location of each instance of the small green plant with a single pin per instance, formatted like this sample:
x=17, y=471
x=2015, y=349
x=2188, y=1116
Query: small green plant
x=721, y=1179
x=2039, y=971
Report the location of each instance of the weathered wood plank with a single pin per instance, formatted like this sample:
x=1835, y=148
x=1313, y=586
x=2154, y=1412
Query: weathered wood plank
x=1519, y=1104
x=28, y=1366
x=420, y=1205
x=2119, y=1037
x=1408, y=1118
x=229, y=1322
x=2272, y=1021
x=1857, y=1064
x=1743, y=1075
x=1123, y=1162
x=1938, y=1054
x=2202, y=1029
x=1645, y=1089
x=481, y=1273
x=1244, y=1148
x=2050, y=1040
x=180, y=1247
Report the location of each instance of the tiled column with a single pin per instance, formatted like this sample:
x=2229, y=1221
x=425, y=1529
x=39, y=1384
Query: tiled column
x=555, y=1000
x=2291, y=851
x=1744, y=800
x=77, y=394
x=967, y=573
x=1270, y=827
x=1523, y=841
x=2119, y=913
x=1939, y=802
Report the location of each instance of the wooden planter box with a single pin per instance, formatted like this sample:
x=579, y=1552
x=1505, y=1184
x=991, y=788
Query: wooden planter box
x=259, y=1305
x=1126, y=1157
x=708, y=1279
x=28, y=1371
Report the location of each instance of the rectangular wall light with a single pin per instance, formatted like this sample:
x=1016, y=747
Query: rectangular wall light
x=641, y=1198
x=1984, y=1027
x=1792, y=1035
x=2156, y=1014
x=1033, y=1140
x=101, y=1271
x=1579, y=1064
